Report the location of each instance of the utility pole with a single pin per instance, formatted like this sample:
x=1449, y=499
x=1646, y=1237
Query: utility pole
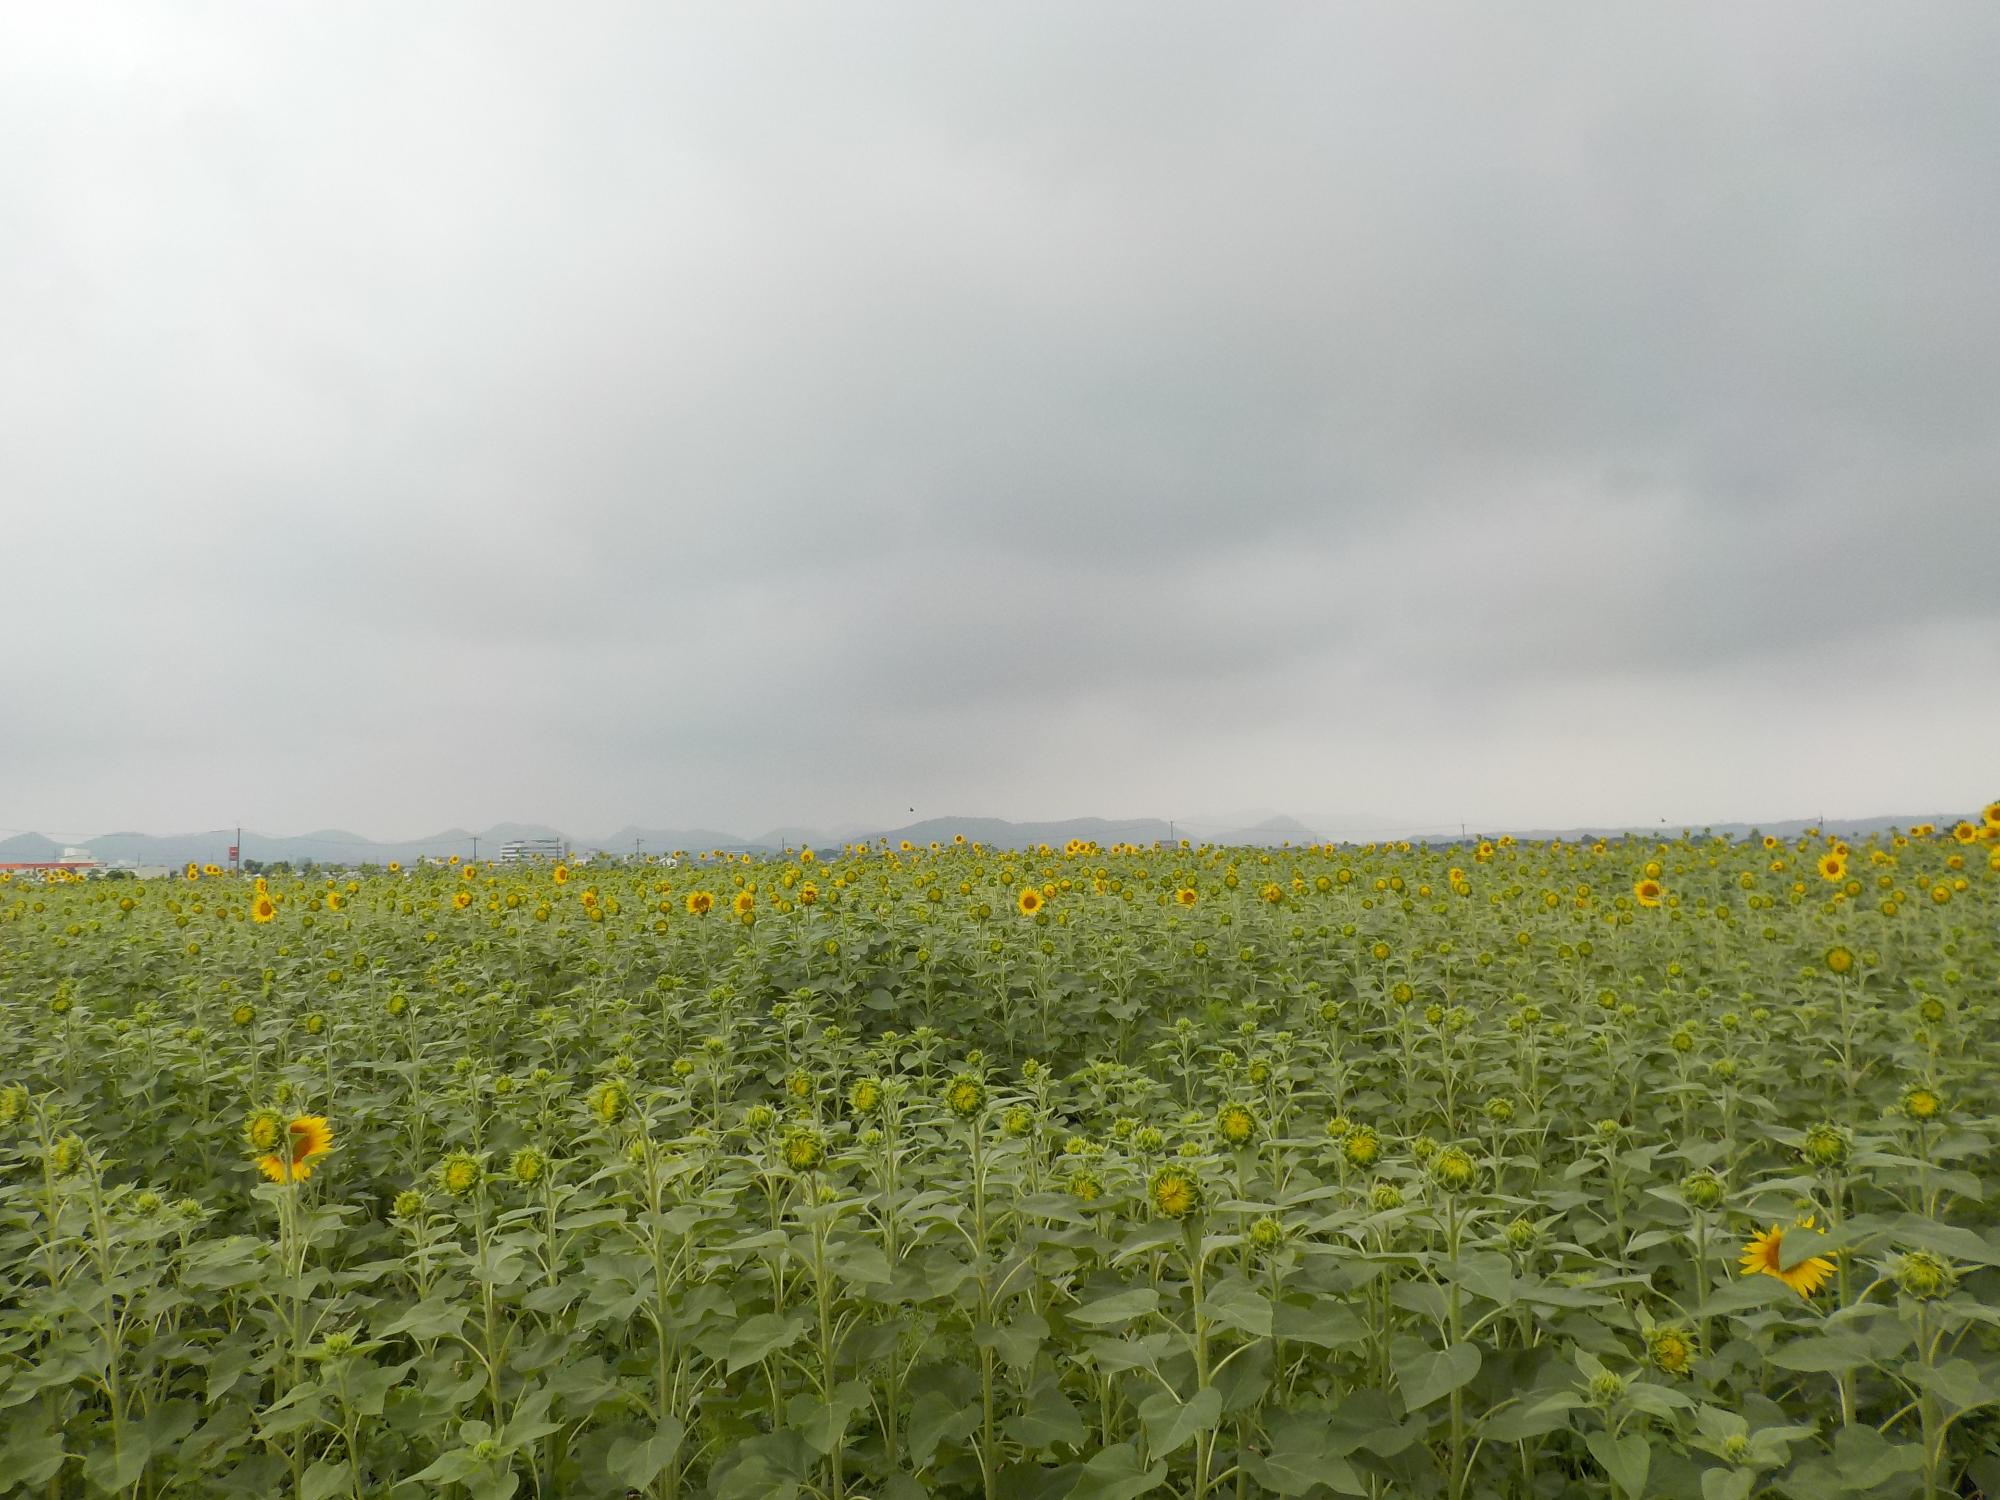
x=475, y=848
x=635, y=848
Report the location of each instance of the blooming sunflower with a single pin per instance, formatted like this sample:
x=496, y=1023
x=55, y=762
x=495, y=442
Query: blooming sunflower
x=560, y=874
x=310, y=1136
x=1030, y=901
x=263, y=909
x=1764, y=1254
x=743, y=902
x=1647, y=892
x=1833, y=867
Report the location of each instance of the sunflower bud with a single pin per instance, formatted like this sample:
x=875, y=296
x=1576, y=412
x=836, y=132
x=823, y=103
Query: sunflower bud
x=1825, y=1146
x=459, y=1173
x=965, y=1096
x=1923, y=1275
x=804, y=1149
x=1453, y=1170
x=1385, y=1196
x=1235, y=1124
x=1703, y=1190
x=1671, y=1349
x=1175, y=1192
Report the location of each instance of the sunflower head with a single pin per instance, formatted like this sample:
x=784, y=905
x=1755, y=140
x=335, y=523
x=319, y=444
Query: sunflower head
x=1454, y=1170
x=1922, y=1104
x=1362, y=1146
x=965, y=1096
x=804, y=1149
x=1235, y=1124
x=1174, y=1192
x=460, y=1172
x=1764, y=1255
x=1647, y=892
x=1385, y=1197
x=609, y=1101
x=306, y=1137
x=1029, y=902
x=263, y=1129
x=1671, y=1349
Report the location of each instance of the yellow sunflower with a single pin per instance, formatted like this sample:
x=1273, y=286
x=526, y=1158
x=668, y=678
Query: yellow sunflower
x=311, y=1136
x=1187, y=895
x=1030, y=901
x=743, y=902
x=263, y=909
x=1764, y=1254
x=560, y=874
x=1647, y=892
x=1833, y=867
x=462, y=899
x=700, y=903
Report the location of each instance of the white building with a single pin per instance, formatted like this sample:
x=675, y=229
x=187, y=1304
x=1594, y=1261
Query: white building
x=515, y=850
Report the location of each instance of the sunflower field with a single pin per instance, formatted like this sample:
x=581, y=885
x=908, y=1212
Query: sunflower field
x=1520, y=1170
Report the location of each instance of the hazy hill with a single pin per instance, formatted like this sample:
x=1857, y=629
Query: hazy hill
x=336, y=846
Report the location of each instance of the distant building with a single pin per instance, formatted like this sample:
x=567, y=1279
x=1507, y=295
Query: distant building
x=73, y=862
x=516, y=850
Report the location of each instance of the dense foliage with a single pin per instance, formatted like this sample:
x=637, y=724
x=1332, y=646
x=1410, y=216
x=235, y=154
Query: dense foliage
x=1531, y=1170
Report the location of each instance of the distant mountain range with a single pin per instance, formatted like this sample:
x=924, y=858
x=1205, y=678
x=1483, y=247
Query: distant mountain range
x=339, y=847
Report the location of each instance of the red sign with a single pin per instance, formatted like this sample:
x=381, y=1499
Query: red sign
x=232, y=853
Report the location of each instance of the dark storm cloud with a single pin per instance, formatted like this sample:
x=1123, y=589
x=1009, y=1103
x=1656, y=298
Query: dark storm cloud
x=783, y=414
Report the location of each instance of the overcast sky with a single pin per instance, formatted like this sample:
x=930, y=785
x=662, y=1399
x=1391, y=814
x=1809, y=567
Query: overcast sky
x=429, y=415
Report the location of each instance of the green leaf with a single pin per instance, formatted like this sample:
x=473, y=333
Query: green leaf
x=1115, y=1355
x=326, y=1478
x=1959, y=1381
x=1626, y=1459
x=1120, y=1307
x=936, y=1418
x=1533, y=1415
x=1821, y=1354
x=1235, y=1303
x=823, y=1423
x=1863, y=1458
x=29, y=1459
x=1017, y=1342
x=1325, y=1321
x=1171, y=1423
x=1048, y=1419
x=1115, y=1474
x=1298, y=1460
x=639, y=1461
x=757, y=1338
x=1727, y=1484
x=436, y=1318
x=1428, y=1376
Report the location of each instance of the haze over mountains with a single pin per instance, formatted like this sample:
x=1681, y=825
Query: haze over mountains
x=341, y=847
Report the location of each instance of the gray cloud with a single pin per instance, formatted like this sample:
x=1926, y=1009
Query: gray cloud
x=795, y=415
